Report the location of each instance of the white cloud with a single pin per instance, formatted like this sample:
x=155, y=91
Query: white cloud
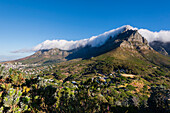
x=163, y=36
x=96, y=41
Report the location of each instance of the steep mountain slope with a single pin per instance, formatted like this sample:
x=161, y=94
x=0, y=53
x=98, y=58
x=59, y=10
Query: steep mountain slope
x=134, y=54
x=129, y=38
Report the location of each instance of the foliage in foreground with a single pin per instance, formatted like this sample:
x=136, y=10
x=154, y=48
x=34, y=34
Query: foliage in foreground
x=26, y=93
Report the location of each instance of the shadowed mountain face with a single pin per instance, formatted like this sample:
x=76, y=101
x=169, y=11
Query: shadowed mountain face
x=129, y=39
x=161, y=47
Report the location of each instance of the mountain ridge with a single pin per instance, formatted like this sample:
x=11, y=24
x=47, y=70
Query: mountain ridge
x=125, y=36
x=129, y=39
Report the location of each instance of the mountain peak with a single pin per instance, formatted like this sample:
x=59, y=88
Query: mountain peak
x=129, y=27
x=133, y=40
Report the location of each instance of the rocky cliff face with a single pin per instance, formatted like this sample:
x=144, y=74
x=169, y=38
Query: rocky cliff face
x=51, y=53
x=133, y=40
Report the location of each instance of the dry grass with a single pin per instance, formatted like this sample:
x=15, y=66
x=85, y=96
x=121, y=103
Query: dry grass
x=128, y=75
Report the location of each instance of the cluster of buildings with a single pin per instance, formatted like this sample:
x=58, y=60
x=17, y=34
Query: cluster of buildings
x=26, y=68
x=17, y=65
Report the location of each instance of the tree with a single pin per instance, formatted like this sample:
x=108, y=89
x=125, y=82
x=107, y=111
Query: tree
x=159, y=100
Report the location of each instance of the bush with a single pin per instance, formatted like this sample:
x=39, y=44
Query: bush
x=130, y=87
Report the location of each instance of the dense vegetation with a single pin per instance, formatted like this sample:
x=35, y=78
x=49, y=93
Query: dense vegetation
x=50, y=91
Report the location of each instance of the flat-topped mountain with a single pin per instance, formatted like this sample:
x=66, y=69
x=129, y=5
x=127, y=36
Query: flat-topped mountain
x=125, y=37
x=46, y=56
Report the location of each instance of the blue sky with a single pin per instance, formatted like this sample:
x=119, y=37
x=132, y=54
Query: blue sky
x=26, y=23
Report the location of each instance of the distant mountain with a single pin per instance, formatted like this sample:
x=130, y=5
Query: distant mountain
x=161, y=47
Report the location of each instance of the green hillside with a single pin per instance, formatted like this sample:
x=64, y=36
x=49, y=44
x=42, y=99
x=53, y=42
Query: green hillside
x=132, y=62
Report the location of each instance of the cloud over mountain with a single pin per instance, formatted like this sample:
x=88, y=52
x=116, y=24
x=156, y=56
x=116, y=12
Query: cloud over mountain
x=162, y=35
x=96, y=41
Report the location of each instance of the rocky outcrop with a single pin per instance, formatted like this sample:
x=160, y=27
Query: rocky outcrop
x=51, y=52
x=133, y=40
x=163, y=51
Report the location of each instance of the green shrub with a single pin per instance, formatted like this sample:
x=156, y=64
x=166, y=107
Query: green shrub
x=130, y=87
